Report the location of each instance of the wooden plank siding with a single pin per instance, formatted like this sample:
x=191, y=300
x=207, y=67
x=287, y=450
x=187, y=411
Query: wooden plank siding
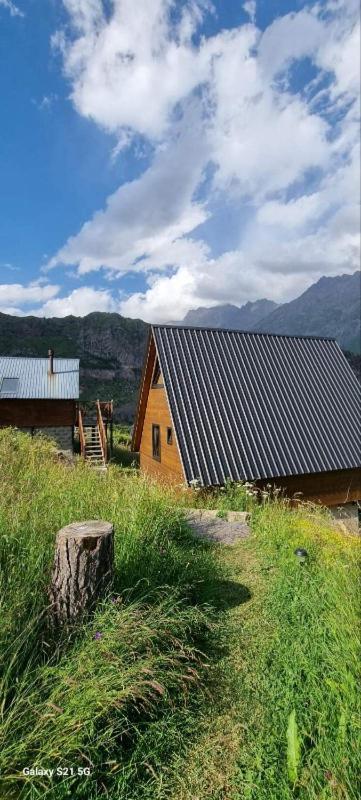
x=329, y=488
x=37, y=413
x=169, y=467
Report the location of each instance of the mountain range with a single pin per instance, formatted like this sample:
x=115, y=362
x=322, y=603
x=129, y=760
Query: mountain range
x=330, y=307
x=111, y=347
x=229, y=316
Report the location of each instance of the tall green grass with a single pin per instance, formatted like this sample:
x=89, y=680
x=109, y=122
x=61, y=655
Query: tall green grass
x=84, y=700
x=285, y=721
x=210, y=673
x=303, y=679
x=230, y=497
x=93, y=706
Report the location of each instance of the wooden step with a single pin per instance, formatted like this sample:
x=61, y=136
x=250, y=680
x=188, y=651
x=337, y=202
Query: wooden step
x=92, y=446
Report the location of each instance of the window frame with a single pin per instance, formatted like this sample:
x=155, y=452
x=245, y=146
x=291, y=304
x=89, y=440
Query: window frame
x=156, y=456
x=169, y=436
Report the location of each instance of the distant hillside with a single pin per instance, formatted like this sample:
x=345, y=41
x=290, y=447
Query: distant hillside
x=330, y=307
x=230, y=316
x=110, y=348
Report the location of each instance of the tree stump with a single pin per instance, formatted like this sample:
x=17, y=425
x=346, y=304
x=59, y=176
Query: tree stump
x=83, y=569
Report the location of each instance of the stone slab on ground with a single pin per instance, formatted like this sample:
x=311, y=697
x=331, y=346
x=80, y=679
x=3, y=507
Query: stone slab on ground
x=208, y=525
x=346, y=518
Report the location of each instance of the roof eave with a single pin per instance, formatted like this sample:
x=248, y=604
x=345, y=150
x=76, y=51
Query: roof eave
x=143, y=392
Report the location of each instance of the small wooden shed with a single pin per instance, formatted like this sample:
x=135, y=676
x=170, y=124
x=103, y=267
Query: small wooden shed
x=40, y=394
x=218, y=405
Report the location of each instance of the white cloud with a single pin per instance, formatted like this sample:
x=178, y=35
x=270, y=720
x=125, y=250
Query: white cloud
x=287, y=246
x=12, y=310
x=169, y=298
x=79, y=302
x=274, y=268
x=337, y=191
x=131, y=70
x=290, y=38
x=339, y=53
x=145, y=219
x=294, y=214
x=332, y=42
x=14, y=294
x=262, y=138
x=227, y=126
x=42, y=301
x=250, y=7
x=12, y=8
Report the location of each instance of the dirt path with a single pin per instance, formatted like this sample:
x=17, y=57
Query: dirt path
x=212, y=762
x=225, y=530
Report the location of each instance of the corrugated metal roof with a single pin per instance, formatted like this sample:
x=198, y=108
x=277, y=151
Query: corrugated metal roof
x=34, y=381
x=248, y=405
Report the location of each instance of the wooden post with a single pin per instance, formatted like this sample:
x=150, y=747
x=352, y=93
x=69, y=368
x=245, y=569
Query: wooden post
x=103, y=438
x=111, y=428
x=81, y=432
x=83, y=569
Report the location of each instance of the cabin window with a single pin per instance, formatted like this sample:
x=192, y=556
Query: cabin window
x=169, y=436
x=156, y=442
x=157, y=380
x=9, y=385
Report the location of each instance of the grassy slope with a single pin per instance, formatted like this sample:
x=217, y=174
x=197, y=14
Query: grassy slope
x=155, y=717
x=293, y=647
x=110, y=702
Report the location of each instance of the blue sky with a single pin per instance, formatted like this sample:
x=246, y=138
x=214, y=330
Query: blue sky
x=190, y=154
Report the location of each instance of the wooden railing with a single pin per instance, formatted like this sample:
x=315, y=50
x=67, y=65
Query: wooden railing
x=81, y=432
x=106, y=407
x=103, y=436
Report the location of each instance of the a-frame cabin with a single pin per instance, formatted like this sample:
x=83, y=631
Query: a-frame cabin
x=218, y=405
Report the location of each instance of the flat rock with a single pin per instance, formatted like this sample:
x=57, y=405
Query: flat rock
x=346, y=518
x=208, y=525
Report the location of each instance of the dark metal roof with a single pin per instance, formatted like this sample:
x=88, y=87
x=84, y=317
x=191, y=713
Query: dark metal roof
x=255, y=405
x=35, y=383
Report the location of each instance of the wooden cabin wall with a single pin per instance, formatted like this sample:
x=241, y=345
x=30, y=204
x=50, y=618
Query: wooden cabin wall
x=329, y=488
x=169, y=468
x=37, y=413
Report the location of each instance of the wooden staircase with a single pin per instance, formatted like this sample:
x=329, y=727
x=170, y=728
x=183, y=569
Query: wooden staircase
x=93, y=440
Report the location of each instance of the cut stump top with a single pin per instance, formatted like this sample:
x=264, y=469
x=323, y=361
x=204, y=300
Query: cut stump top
x=89, y=528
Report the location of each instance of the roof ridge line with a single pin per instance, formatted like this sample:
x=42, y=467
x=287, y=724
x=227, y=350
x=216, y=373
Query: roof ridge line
x=239, y=330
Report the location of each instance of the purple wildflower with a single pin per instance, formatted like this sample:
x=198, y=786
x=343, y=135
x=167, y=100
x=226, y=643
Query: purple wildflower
x=97, y=635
